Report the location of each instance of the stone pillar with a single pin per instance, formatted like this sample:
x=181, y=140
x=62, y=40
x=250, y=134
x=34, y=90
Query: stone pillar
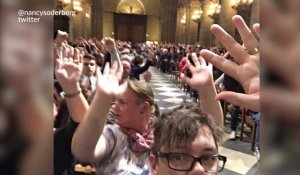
x=97, y=18
x=226, y=14
x=168, y=20
x=255, y=13
x=188, y=24
x=179, y=31
x=87, y=20
x=77, y=25
x=195, y=5
x=206, y=22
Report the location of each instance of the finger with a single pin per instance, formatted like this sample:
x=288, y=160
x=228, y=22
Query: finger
x=71, y=54
x=121, y=89
x=233, y=47
x=58, y=64
x=226, y=55
x=185, y=78
x=190, y=66
x=98, y=72
x=119, y=73
x=210, y=68
x=56, y=53
x=226, y=66
x=242, y=100
x=76, y=56
x=81, y=58
x=65, y=53
x=195, y=60
x=106, y=69
x=248, y=38
x=256, y=28
x=202, y=61
x=114, y=68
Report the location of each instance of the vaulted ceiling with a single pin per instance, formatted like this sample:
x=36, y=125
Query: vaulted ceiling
x=150, y=7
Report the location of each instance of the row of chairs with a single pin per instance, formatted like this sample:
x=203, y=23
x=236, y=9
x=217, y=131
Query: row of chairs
x=176, y=79
x=246, y=120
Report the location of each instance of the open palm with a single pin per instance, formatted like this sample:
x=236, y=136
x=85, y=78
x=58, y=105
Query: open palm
x=201, y=73
x=68, y=71
x=245, y=69
x=108, y=82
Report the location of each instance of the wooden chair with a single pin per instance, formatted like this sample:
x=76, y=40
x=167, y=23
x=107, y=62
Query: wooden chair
x=224, y=108
x=246, y=119
x=80, y=169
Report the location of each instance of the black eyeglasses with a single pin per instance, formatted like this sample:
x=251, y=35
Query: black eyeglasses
x=186, y=162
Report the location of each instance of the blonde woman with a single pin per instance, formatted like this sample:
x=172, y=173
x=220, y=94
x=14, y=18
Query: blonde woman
x=122, y=147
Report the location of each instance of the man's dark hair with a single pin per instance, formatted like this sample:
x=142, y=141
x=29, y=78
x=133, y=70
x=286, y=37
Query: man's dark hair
x=89, y=56
x=178, y=128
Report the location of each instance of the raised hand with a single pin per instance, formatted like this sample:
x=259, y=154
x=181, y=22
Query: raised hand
x=61, y=37
x=68, y=71
x=150, y=55
x=108, y=82
x=202, y=81
x=201, y=73
x=109, y=43
x=245, y=69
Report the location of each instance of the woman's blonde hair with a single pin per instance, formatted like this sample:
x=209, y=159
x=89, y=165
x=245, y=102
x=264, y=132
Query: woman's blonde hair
x=144, y=92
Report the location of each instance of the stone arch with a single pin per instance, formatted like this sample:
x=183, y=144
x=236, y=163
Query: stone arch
x=151, y=8
x=131, y=7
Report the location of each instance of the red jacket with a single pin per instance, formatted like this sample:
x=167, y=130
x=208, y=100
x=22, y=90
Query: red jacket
x=182, y=63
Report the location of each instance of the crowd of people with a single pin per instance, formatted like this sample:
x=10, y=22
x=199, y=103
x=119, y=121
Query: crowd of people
x=106, y=117
x=26, y=105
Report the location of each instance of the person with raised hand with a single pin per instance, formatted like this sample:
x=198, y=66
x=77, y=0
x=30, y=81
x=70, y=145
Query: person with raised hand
x=68, y=71
x=191, y=145
x=202, y=81
x=123, y=146
x=245, y=69
x=111, y=48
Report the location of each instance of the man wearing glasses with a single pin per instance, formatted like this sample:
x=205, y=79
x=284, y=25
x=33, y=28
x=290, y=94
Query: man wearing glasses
x=185, y=142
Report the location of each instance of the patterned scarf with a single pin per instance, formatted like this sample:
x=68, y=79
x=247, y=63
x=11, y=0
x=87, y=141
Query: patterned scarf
x=140, y=142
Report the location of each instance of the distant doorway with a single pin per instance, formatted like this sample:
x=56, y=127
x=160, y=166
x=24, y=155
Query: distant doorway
x=130, y=27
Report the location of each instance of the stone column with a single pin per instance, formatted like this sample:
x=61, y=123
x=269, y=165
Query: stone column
x=168, y=20
x=77, y=25
x=206, y=22
x=195, y=5
x=179, y=31
x=226, y=14
x=97, y=18
x=86, y=20
x=188, y=24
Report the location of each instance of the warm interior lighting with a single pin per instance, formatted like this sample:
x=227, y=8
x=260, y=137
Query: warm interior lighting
x=67, y=1
x=197, y=15
x=77, y=6
x=214, y=9
x=131, y=7
x=183, y=19
x=240, y=3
